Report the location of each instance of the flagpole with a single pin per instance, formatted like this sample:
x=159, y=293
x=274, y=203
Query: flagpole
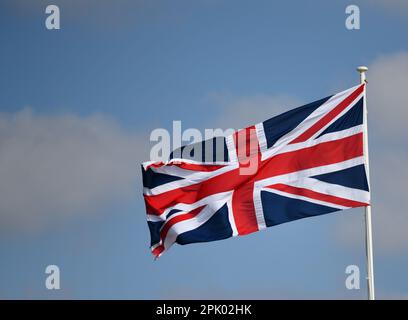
x=369, y=235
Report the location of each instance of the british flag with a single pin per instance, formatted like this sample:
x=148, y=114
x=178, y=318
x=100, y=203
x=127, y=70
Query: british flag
x=306, y=162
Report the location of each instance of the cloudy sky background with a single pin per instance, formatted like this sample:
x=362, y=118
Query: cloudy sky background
x=77, y=106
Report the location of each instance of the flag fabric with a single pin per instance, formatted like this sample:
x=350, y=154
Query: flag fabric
x=306, y=162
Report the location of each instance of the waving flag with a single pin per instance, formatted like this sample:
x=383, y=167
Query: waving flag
x=306, y=162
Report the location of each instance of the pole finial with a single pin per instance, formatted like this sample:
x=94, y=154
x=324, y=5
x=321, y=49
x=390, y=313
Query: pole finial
x=362, y=69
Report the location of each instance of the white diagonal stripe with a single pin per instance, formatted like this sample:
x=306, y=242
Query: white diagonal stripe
x=332, y=189
x=303, y=198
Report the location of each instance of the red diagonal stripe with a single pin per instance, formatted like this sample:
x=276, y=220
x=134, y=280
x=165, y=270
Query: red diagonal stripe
x=158, y=250
x=329, y=116
x=317, y=195
x=171, y=222
x=188, y=166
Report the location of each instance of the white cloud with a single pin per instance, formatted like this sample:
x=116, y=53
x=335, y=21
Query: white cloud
x=243, y=111
x=388, y=96
x=54, y=166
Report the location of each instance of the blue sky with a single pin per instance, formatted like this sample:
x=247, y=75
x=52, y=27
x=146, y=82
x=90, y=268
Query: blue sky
x=77, y=106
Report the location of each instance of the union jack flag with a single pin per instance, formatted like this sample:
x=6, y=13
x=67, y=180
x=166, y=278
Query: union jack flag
x=306, y=162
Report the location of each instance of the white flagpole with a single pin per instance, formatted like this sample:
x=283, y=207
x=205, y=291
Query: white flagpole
x=369, y=235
